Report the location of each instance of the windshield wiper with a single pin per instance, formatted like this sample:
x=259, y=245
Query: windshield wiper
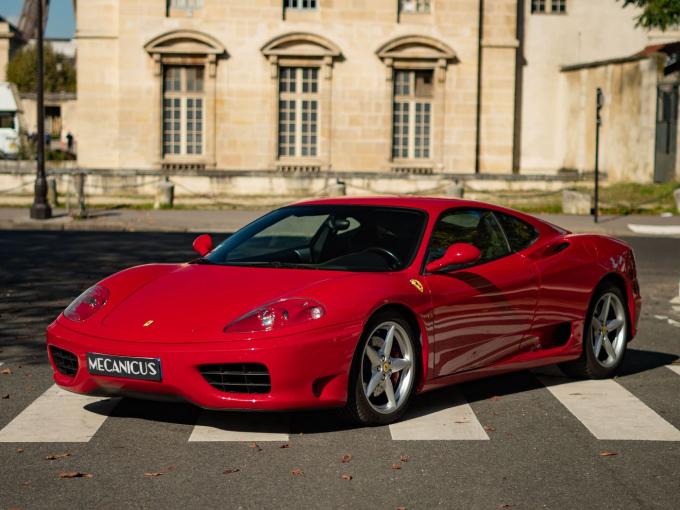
x=203, y=261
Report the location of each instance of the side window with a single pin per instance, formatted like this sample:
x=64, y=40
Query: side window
x=476, y=227
x=519, y=233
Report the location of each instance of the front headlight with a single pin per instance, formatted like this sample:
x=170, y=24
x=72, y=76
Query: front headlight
x=87, y=303
x=287, y=312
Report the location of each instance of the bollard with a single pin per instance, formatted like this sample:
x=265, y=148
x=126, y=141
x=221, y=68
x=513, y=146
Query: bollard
x=52, y=196
x=676, y=195
x=574, y=202
x=339, y=189
x=455, y=189
x=79, y=181
x=165, y=196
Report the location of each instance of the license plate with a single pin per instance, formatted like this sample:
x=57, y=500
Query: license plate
x=148, y=369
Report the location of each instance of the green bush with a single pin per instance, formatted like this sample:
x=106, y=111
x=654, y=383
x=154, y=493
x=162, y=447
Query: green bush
x=60, y=72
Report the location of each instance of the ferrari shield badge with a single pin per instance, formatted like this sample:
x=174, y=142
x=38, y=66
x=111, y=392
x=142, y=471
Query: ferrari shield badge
x=417, y=285
x=148, y=323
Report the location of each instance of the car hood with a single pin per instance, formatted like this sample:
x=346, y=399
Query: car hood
x=194, y=302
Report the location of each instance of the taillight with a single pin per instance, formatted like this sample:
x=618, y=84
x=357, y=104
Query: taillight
x=87, y=303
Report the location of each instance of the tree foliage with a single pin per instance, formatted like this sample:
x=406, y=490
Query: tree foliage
x=60, y=73
x=661, y=14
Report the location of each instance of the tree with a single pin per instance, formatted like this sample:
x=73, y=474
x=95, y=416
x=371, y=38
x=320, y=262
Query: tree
x=60, y=73
x=660, y=14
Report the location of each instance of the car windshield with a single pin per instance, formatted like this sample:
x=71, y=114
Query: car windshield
x=338, y=237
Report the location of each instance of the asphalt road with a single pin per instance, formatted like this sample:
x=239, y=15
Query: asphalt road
x=538, y=455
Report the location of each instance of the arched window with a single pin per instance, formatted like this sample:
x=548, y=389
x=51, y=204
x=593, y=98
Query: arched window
x=301, y=72
x=416, y=74
x=185, y=63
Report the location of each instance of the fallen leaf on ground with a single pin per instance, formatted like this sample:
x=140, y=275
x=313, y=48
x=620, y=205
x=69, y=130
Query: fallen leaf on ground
x=26, y=483
x=58, y=456
x=157, y=473
x=230, y=471
x=20, y=450
x=489, y=428
x=74, y=474
x=5, y=396
x=404, y=458
x=346, y=477
x=287, y=445
x=6, y=371
x=255, y=446
x=297, y=472
x=396, y=465
x=461, y=421
x=608, y=454
x=346, y=458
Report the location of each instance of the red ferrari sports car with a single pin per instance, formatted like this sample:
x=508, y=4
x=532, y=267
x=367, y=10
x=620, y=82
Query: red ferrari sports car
x=357, y=303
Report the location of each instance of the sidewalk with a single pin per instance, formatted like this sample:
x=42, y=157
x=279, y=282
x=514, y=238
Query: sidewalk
x=135, y=220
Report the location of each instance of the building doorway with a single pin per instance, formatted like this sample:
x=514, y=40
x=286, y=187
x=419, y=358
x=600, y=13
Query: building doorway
x=665, y=152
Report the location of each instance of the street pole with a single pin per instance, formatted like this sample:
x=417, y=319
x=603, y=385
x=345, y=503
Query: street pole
x=599, y=101
x=41, y=209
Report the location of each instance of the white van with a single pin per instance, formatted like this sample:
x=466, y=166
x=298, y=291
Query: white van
x=9, y=122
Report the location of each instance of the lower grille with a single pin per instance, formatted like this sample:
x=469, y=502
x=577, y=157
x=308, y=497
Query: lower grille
x=237, y=377
x=66, y=362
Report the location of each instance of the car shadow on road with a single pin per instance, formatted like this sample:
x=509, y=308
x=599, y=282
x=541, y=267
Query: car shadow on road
x=312, y=422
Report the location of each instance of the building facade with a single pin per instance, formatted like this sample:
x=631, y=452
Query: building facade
x=413, y=86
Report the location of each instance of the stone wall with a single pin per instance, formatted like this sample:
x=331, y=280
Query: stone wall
x=628, y=118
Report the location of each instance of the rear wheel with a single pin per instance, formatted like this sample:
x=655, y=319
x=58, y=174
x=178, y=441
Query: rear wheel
x=605, y=334
x=384, y=371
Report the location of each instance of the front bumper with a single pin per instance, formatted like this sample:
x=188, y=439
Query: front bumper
x=305, y=372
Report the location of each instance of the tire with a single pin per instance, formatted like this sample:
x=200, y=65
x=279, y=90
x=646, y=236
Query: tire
x=602, y=362
x=402, y=366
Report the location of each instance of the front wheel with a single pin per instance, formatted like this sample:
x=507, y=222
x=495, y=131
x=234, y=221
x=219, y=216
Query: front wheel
x=605, y=334
x=384, y=371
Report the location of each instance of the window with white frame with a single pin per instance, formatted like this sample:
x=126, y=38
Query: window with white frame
x=412, y=114
x=187, y=6
x=558, y=6
x=548, y=6
x=183, y=110
x=298, y=112
x=300, y=4
x=417, y=6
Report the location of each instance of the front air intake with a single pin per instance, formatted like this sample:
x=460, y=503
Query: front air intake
x=66, y=362
x=237, y=377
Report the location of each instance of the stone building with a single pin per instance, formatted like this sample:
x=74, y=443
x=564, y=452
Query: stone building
x=310, y=86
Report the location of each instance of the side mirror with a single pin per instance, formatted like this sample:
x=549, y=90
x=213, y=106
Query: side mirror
x=203, y=244
x=456, y=254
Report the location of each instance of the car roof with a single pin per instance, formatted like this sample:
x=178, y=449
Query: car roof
x=432, y=205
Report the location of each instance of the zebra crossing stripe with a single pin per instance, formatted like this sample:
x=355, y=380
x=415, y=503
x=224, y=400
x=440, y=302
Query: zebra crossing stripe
x=58, y=416
x=452, y=419
x=231, y=426
x=609, y=411
x=674, y=368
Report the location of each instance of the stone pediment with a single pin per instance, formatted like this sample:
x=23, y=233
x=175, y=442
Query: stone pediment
x=300, y=44
x=416, y=47
x=185, y=42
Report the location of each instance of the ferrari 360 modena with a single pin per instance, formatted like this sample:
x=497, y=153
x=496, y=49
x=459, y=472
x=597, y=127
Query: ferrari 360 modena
x=353, y=303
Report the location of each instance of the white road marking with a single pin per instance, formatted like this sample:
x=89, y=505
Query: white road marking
x=661, y=317
x=609, y=411
x=674, y=368
x=233, y=426
x=659, y=230
x=452, y=419
x=58, y=416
